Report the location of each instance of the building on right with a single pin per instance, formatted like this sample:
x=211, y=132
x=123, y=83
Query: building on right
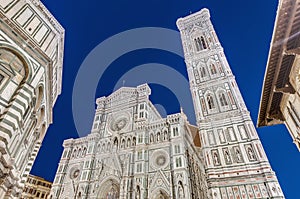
x=280, y=99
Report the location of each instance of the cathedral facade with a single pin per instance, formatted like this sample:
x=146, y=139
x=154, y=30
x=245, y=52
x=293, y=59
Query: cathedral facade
x=132, y=152
x=31, y=56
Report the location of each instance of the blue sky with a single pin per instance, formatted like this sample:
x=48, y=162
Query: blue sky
x=244, y=29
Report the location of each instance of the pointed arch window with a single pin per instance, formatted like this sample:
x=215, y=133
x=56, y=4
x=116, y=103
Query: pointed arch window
x=210, y=101
x=203, y=43
x=223, y=100
x=200, y=43
x=213, y=69
x=202, y=71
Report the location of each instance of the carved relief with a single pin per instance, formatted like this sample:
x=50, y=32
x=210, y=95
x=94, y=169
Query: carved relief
x=238, y=154
x=227, y=156
x=250, y=152
x=216, y=157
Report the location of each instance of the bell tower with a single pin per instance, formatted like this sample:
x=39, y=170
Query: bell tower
x=235, y=162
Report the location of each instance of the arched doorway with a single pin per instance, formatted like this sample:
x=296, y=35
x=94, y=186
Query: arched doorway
x=109, y=189
x=160, y=194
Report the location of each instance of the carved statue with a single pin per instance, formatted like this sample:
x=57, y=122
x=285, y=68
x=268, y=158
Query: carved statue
x=216, y=158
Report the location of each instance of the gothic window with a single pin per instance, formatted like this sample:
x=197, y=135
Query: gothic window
x=139, y=167
x=200, y=43
x=140, y=155
x=222, y=99
x=138, y=192
x=123, y=143
x=84, y=151
x=178, y=162
x=175, y=131
x=177, y=148
x=141, y=114
x=140, y=138
x=141, y=106
x=180, y=190
x=74, y=153
x=165, y=135
x=210, y=101
x=220, y=68
x=128, y=142
x=116, y=142
x=151, y=137
x=202, y=71
x=197, y=45
x=213, y=69
x=203, y=43
x=133, y=141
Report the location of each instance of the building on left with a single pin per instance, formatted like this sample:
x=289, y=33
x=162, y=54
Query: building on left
x=31, y=59
x=36, y=187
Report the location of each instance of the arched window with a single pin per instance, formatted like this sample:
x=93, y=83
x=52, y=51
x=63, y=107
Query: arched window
x=213, y=69
x=79, y=153
x=116, y=141
x=202, y=71
x=138, y=192
x=203, y=43
x=108, y=146
x=200, y=43
x=210, y=102
x=223, y=100
x=197, y=45
x=151, y=137
x=158, y=136
x=74, y=153
x=180, y=191
x=123, y=143
x=165, y=135
x=84, y=151
x=128, y=142
x=133, y=141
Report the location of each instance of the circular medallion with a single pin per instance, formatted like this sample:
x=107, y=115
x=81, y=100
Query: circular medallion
x=118, y=123
x=74, y=173
x=159, y=159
